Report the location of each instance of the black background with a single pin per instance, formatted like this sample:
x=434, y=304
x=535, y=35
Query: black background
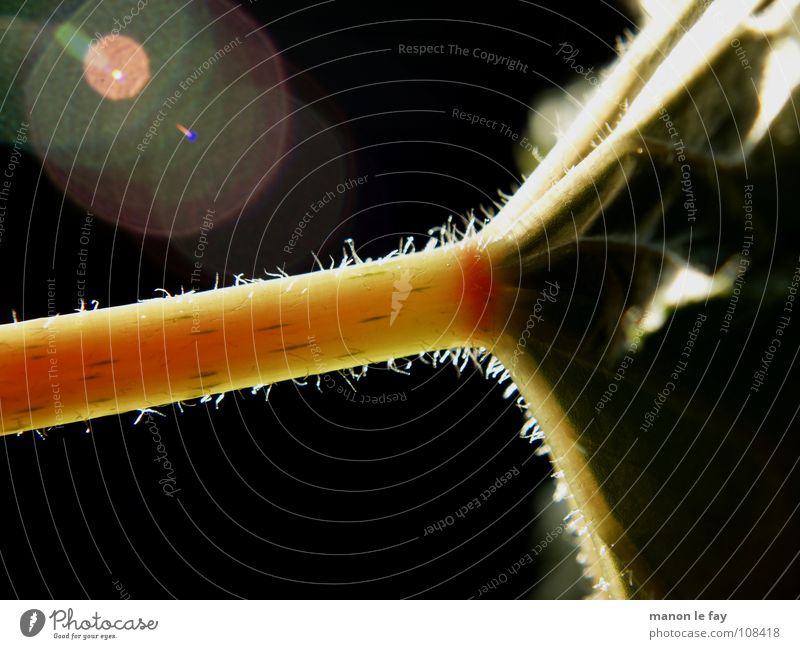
x=308, y=494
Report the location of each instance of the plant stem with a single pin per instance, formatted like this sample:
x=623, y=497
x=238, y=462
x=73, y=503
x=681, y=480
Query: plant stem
x=84, y=365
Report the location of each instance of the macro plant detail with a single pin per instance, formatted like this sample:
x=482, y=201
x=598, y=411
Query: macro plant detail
x=589, y=287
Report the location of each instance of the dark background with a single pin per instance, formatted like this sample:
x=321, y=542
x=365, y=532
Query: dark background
x=309, y=494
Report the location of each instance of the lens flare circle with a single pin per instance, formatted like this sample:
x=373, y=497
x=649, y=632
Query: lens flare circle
x=104, y=107
x=116, y=67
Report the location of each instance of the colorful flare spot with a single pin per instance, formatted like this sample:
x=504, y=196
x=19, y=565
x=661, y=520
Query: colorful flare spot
x=189, y=135
x=104, y=106
x=116, y=67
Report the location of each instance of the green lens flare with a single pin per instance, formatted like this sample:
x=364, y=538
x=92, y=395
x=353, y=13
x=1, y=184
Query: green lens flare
x=73, y=41
x=119, y=95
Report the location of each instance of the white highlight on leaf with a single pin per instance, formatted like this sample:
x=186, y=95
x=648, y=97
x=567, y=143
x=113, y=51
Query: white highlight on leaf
x=781, y=77
x=602, y=584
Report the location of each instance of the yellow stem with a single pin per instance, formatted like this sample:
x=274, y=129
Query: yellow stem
x=84, y=365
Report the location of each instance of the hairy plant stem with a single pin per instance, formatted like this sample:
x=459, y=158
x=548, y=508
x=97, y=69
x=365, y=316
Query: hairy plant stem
x=84, y=365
